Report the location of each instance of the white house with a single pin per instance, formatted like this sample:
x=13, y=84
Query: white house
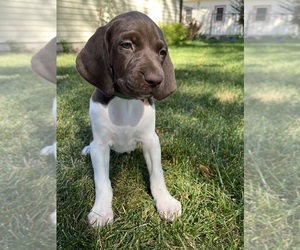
x=77, y=20
x=33, y=23
x=268, y=18
x=218, y=18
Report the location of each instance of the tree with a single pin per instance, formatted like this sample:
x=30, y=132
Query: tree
x=108, y=9
x=293, y=7
x=238, y=6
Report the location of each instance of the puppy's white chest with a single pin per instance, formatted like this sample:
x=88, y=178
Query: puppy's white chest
x=122, y=124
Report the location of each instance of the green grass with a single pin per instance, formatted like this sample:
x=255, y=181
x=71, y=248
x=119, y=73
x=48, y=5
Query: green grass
x=272, y=132
x=27, y=180
x=200, y=125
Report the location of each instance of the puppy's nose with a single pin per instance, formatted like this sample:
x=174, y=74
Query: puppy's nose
x=153, y=79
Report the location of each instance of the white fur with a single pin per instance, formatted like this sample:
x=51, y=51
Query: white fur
x=120, y=126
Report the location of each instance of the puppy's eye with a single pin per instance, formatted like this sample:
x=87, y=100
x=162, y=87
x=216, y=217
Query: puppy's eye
x=126, y=45
x=163, y=52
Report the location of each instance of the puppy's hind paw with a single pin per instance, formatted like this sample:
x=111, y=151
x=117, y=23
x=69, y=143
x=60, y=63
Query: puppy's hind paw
x=49, y=150
x=85, y=150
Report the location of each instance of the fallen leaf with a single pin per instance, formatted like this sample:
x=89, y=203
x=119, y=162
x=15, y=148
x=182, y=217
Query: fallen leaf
x=205, y=171
x=159, y=131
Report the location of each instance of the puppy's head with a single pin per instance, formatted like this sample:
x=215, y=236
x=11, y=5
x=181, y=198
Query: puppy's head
x=128, y=55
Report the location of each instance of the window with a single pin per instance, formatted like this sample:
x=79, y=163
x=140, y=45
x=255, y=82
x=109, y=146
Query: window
x=188, y=17
x=219, y=13
x=261, y=14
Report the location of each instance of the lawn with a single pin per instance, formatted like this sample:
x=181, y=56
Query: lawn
x=272, y=132
x=27, y=179
x=201, y=133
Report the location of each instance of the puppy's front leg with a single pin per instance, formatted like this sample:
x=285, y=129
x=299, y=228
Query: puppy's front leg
x=168, y=207
x=101, y=213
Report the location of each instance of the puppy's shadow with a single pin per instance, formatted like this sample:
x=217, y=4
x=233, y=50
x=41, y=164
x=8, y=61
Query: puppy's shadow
x=133, y=163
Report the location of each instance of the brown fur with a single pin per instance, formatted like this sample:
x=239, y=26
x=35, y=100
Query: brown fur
x=128, y=55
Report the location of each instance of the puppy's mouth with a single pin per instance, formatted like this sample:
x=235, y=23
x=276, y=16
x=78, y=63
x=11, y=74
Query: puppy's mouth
x=127, y=89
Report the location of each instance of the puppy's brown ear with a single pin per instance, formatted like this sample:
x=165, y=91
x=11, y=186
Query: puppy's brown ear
x=169, y=84
x=92, y=63
x=43, y=62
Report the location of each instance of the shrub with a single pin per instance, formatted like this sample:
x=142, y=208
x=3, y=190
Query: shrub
x=193, y=29
x=66, y=46
x=14, y=46
x=175, y=33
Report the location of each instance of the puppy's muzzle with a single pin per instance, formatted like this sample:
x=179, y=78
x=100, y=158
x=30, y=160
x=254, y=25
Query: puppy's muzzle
x=153, y=79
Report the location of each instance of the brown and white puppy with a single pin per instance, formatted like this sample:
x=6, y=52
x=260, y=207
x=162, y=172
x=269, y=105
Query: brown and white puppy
x=127, y=61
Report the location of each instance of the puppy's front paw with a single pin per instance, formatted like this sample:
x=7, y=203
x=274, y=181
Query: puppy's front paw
x=100, y=219
x=168, y=208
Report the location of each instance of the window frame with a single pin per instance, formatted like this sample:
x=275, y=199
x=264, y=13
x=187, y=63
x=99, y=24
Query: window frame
x=188, y=15
x=266, y=15
x=216, y=15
